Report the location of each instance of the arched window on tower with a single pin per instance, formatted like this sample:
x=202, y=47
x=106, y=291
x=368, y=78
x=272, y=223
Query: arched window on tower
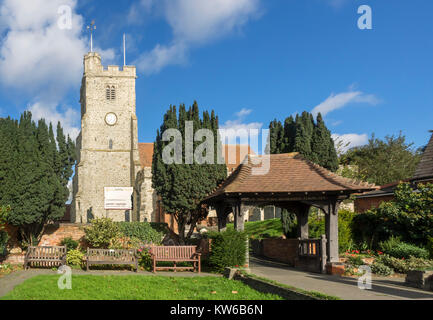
x=110, y=93
x=110, y=144
x=113, y=93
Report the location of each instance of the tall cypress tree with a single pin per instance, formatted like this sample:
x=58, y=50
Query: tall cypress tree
x=303, y=135
x=182, y=187
x=32, y=179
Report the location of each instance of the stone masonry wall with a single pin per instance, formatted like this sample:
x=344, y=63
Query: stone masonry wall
x=107, y=155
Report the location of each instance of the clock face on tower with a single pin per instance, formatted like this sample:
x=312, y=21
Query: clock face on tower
x=111, y=119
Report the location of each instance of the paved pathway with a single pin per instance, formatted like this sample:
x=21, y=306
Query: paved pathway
x=9, y=282
x=343, y=287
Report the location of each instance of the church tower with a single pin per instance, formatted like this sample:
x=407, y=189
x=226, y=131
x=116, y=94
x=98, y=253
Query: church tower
x=107, y=147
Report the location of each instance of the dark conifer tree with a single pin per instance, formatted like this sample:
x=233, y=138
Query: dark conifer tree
x=182, y=187
x=312, y=140
x=33, y=178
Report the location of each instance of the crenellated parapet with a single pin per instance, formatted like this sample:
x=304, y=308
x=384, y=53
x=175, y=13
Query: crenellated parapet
x=93, y=67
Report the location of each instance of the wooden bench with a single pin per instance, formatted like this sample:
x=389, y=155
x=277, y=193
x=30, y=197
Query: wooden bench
x=112, y=256
x=45, y=256
x=175, y=255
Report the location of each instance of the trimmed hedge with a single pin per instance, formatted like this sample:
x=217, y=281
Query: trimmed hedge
x=228, y=249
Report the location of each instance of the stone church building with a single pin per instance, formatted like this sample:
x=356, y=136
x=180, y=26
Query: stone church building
x=111, y=163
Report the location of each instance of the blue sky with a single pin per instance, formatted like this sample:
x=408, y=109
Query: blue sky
x=250, y=60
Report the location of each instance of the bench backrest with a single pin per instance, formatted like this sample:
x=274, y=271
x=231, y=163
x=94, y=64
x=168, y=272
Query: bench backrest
x=46, y=252
x=112, y=254
x=174, y=252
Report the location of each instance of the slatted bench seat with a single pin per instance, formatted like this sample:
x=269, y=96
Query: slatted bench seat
x=45, y=256
x=175, y=254
x=112, y=257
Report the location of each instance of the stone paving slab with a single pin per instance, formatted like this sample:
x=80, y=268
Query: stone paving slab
x=345, y=288
x=10, y=281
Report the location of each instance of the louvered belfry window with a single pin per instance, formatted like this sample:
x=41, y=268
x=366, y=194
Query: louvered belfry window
x=110, y=93
x=113, y=93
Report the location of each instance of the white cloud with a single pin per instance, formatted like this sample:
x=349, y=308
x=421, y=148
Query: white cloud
x=338, y=101
x=161, y=56
x=243, y=113
x=193, y=22
x=238, y=129
x=350, y=140
x=35, y=54
x=69, y=118
x=40, y=60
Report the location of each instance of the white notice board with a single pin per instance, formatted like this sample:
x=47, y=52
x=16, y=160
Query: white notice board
x=118, y=198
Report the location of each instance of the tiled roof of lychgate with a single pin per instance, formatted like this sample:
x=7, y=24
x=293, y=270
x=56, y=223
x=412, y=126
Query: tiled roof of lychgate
x=425, y=167
x=288, y=173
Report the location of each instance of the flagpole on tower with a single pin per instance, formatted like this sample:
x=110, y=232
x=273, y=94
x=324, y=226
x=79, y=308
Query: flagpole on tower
x=124, y=50
x=91, y=28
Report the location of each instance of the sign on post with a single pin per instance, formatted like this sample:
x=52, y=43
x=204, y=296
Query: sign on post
x=118, y=198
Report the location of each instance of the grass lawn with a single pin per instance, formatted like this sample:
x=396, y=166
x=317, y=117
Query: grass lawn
x=263, y=229
x=88, y=287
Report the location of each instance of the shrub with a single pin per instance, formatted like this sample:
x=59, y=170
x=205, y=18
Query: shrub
x=70, y=244
x=406, y=250
x=147, y=233
x=102, y=233
x=4, y=238
x=404, y=265
x=228, y=249
x=145, y=259
x=381, y=269
x=397, y=249
x=414, y=263
x=388, y=245
x=345, y=238
x=75, y=258
x=355, y=261
x=409, y=215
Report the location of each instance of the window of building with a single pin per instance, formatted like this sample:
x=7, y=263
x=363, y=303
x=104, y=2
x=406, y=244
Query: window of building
x=113, y=93
x=110, y=93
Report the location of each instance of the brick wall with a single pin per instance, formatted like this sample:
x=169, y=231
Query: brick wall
x=283, y=250
x=54, y=234
x=364, y=204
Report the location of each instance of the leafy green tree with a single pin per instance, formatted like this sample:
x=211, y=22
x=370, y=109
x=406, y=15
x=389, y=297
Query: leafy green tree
x=32, y=178
x=383, y=161
x=409, y=216
x=183, y=186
